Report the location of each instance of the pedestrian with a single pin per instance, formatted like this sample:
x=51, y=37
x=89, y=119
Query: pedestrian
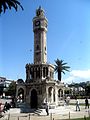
x=5, y=107
x=86, y=103
x=65, y=103
x=77, y=104
x=0, y=108
x=47, y=109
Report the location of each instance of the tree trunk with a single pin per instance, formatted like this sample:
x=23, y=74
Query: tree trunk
x=59, y=75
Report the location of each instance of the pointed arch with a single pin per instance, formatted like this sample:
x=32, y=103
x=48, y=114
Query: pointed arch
x=34, y=99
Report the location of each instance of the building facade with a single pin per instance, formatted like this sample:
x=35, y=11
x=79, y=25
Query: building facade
x=40, y=86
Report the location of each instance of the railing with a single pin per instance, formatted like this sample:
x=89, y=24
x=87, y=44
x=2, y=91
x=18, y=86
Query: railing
x=51, y=116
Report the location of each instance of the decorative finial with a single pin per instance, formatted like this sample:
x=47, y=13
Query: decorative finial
x=40, y=7
x=40, y=11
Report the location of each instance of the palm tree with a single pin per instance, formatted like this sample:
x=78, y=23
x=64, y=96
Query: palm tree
x=8, y=4
x=60, y=67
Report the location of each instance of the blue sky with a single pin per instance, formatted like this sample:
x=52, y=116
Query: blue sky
x=68, y=37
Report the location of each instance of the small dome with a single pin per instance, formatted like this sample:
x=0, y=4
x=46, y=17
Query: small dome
x=20, y=81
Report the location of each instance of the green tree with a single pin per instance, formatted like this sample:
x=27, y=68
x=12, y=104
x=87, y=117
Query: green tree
x=9, y=4
x=60, y=67
x=11, y=90
x=87, y=89
x=2, y=86
x=1, y=90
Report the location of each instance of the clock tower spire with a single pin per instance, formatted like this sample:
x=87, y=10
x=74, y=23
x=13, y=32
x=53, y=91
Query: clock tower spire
x=40, y=30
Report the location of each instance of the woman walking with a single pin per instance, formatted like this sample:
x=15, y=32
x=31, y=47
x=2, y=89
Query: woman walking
x=77, y=104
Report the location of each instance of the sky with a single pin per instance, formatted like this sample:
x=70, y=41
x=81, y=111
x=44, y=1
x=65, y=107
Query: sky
x=68, y=38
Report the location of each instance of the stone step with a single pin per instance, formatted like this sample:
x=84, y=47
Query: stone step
x=14, y=110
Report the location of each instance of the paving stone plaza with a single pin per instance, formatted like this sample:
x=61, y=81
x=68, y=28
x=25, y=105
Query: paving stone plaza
x=59, y=113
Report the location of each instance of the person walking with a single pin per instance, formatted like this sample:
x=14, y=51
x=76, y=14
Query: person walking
x=5, y=107
x=86, y=103
x=77, y=104
x=47, y=109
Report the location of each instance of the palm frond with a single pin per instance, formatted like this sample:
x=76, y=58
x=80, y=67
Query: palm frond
x=18, y=3
x=11, y=4
x=63, y=72
x=64, y=63
x=8, y=4
x=4, y=6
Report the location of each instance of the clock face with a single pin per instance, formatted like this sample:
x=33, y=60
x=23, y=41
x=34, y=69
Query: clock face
x=37, y=23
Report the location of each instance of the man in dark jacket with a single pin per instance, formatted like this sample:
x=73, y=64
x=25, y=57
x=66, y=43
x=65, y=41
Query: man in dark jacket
x=86, y=103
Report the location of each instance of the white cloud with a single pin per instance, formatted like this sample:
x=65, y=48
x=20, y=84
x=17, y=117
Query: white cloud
x=80, y=73
x=69, y=79
x=78, y=76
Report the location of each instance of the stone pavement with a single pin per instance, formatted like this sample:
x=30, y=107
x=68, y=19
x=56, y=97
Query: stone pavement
x=59, y=113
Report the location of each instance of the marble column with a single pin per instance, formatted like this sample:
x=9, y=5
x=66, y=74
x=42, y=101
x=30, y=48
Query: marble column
x=34, y=73
x=63, y=92
x=47, y=95
x=56, y=96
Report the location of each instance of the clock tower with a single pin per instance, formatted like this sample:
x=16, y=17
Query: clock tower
x=40, y=30
x=40, y=87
